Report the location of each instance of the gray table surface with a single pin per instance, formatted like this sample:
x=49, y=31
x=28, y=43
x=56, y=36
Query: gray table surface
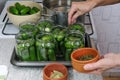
x=31, y=73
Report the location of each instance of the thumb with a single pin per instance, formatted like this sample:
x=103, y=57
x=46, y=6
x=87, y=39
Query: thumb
x=92, y=66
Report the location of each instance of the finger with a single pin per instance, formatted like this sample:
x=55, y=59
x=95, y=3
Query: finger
x=92, y=66
x=76, y=15
x=109, y=55
x=70, y=14
x=74, y=22
x=69, y=20
x=106, y=55
x=101, y=57
x=97, y=72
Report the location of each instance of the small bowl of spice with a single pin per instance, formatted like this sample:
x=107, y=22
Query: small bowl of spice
x=83, y=56
x=55, y=71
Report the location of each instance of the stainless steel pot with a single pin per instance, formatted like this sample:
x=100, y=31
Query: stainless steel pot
x=59, y=15
x=58, y=10
x=55, y=3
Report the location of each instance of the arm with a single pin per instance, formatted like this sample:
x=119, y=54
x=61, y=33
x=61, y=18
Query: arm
x=82, y=7
x=104, y=2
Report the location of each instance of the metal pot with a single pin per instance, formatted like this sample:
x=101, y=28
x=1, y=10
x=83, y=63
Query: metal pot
x=58, y=15
x=55, y=3
x=58, y=10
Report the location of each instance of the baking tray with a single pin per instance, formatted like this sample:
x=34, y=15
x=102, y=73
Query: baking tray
x=15, y=60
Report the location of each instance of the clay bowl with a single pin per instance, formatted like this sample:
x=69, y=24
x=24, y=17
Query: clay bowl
x=79, y=64
x=55, y=66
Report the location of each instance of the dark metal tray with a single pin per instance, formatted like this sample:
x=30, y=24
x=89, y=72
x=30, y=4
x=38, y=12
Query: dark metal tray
x=15, y=60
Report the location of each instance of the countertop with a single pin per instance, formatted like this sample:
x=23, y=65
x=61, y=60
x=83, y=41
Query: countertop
x=31, y=73
x=16, y=73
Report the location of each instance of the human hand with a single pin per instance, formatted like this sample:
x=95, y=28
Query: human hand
x=79, y=8
x=107, y=62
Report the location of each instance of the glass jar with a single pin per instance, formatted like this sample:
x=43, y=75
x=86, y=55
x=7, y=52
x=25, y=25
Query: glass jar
x=72, y=42
x=25, y=49
x=28, y=27
x=59, y=33
x=77, y=27
x=45, y=46
x=45, y=25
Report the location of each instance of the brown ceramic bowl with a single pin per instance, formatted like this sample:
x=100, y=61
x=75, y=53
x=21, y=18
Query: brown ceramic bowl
x=55, y=66
x=78, y=64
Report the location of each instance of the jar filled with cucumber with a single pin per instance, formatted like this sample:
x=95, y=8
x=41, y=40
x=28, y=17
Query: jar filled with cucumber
x=45, y=26
x=25, y=47
x=72, y=42
x=46, y=47
x=59, y=33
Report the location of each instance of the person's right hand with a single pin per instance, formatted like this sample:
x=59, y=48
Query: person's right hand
x=108, y=61
x=79, y=8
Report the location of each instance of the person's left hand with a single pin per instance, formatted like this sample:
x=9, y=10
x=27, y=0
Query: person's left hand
x=79, y=8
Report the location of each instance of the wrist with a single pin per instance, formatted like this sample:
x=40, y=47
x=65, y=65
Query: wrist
x=92, y=3
x=96, y=3
x=117, y=60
